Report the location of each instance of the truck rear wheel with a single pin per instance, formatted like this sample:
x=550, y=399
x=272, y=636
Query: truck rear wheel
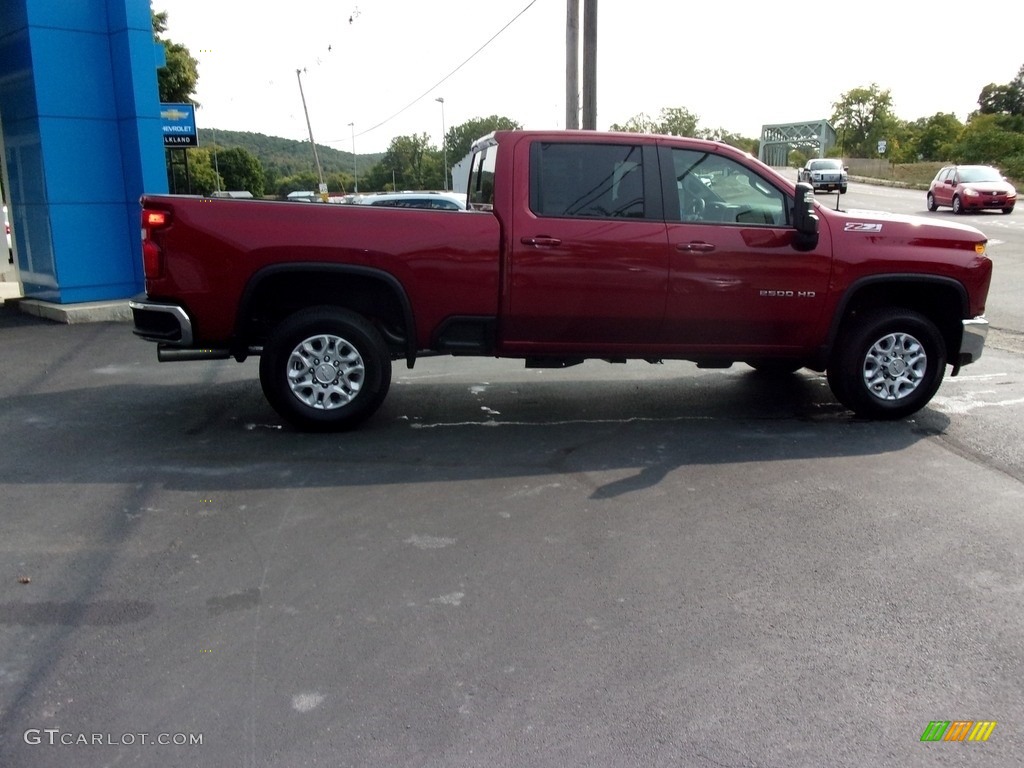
x=325, y=369
x=888, y=364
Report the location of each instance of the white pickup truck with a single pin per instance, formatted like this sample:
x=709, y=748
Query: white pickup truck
x=825, y=174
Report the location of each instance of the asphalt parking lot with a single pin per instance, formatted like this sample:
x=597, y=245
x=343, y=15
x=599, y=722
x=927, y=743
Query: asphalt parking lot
x=606, y=565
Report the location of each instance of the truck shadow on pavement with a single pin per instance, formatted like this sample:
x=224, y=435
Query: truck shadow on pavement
x=222, y=433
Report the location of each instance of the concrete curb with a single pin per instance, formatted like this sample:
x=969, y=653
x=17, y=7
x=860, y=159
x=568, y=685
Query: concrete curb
x=86, y=312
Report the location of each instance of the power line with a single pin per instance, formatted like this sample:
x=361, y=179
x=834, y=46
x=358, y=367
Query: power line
x=446, y=77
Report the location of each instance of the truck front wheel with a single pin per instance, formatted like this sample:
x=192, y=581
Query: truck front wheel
x=888, y=364
x=325, y=369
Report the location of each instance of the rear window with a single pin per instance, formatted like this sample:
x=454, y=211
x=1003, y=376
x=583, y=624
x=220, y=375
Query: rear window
x=586, y=180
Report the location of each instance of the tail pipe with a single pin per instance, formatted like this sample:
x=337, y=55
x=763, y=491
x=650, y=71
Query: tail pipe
x=167, y=354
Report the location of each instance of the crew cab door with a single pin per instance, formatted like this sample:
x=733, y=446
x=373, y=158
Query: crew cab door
x=587, y=264
x=736, y=282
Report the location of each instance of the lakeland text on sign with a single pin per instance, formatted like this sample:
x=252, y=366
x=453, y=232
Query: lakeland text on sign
x=178, y=122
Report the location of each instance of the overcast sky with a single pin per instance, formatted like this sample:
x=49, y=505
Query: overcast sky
x=381, y=64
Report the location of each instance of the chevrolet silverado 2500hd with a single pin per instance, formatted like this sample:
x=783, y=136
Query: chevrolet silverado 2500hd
x=576, y=245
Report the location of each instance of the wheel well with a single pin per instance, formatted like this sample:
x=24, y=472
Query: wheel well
x=941, y=301
x=273, y=297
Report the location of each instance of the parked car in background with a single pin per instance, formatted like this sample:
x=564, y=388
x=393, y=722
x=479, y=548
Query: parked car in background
x=442, y=201
x=825, y=174
x=971, y=188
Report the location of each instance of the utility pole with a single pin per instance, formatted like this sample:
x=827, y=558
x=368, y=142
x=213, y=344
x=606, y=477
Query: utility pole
x=572, y=64
x=590, y=65
x=316, y=157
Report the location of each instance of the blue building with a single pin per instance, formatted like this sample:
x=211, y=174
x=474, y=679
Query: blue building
x=80, y=141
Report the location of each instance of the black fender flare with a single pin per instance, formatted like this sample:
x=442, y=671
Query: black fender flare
x=312, y=267
x=858, y=285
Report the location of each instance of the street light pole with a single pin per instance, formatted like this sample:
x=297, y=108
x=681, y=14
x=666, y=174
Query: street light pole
x=444, y=142
x=355, y=173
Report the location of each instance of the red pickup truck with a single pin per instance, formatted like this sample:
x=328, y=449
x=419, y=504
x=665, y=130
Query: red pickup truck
x=576, y=245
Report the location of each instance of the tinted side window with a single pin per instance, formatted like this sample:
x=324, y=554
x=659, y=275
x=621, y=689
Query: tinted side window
x=586, y=180
x=718, y=190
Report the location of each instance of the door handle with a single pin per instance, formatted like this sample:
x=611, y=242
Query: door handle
x=695, y=246
x=541, y=242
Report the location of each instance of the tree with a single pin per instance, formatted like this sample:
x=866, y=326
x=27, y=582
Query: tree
x=678, y=121
x=673, y=121
x=460, y=138
x=411, y=162
x=934, y=136
x=987, y=140
x=304, y=180
x=201, y=179
x=240, y=169
x=732, y=139
x=178, y=78
x=863, y=116
x=1005, y=99
x=641, y=123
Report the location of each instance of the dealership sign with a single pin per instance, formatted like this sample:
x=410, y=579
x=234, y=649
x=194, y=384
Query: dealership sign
x=178, y=122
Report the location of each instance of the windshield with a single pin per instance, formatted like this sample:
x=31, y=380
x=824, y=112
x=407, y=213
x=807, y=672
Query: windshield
x=973, y=174
x=821, y=165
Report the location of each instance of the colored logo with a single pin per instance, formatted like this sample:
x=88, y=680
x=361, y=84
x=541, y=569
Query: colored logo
x=174, y=114
x=958, y=730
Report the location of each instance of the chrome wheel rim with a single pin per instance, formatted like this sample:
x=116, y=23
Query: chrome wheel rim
x=895, y=366
x=325, y=372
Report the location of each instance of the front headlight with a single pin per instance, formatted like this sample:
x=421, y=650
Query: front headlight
x=971, y=192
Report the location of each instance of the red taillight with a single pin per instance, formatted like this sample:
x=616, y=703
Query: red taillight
x=155, y=219
x=152, y=256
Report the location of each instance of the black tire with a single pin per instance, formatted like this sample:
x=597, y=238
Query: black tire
x=887, y=364
x=958, y=207
x=1008, y=210
x=325, y=369
x=932, y=205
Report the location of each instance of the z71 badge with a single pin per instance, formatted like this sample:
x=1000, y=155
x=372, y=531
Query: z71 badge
x=861, y=226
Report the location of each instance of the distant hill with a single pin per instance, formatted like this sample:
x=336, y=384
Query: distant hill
x=286, y=157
